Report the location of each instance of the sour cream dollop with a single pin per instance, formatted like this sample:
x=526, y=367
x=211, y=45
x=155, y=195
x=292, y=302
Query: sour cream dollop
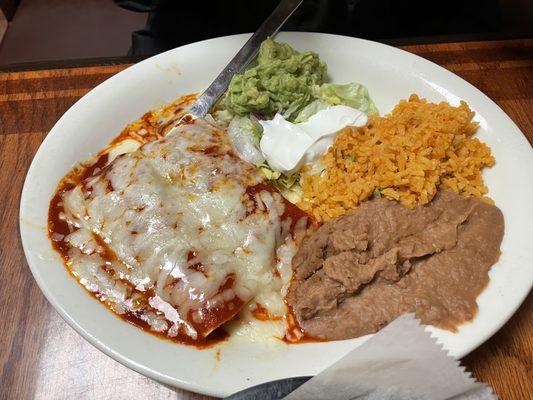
x=287, y=146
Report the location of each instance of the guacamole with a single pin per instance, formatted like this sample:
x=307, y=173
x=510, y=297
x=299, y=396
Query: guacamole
x=280, y=81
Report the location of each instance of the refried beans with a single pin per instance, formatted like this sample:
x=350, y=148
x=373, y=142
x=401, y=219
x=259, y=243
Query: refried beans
x=357, y=273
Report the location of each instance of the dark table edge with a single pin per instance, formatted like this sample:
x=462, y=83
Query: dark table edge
x=74, y=63
x=120, y=60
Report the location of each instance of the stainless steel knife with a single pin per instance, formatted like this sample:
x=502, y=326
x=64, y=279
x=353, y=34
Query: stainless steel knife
x=246, y=54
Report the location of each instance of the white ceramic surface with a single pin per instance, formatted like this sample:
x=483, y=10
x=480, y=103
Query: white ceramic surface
x=390, y=75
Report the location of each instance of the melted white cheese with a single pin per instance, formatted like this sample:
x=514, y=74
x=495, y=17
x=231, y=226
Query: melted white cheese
x=171, y=205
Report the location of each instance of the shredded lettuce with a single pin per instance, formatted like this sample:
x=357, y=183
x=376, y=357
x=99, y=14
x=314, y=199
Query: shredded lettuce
x=269, y=173
x=310, y=110
x=248, y=126
x=288, y=181
x=245, y=134
x=288, y=186
x=292, y=193
x=351, y=94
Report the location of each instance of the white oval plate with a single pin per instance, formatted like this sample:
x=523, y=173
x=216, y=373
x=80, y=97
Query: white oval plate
x=390, y=75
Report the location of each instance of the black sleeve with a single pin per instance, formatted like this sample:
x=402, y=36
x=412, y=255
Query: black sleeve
x=137, y=5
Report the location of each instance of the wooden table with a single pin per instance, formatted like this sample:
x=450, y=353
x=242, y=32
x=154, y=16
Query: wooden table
x=41, y=357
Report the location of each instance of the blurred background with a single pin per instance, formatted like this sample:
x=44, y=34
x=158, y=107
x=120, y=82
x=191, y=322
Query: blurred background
x=47, y=31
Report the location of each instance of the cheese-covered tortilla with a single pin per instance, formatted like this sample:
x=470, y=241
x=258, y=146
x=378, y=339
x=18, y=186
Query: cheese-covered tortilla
x=180, y=234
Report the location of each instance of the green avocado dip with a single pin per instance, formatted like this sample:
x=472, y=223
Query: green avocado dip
x=281, y=80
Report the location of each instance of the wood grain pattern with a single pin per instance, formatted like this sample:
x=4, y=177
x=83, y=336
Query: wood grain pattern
x=43, y=358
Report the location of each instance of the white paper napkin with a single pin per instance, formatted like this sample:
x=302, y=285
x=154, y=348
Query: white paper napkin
x=401, y=362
